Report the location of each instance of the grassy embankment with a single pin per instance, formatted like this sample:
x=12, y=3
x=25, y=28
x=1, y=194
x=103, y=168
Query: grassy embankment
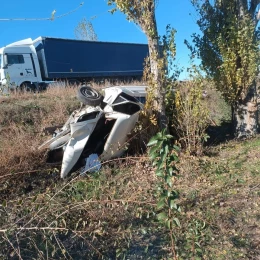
x=112, y=214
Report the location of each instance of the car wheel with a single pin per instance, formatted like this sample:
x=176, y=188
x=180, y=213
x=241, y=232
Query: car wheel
x=89, y=96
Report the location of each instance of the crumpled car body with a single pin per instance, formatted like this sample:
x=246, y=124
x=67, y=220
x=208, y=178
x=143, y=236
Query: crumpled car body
x=100, y=127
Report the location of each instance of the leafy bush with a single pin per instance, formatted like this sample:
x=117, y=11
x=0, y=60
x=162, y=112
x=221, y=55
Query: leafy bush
x=189, y=114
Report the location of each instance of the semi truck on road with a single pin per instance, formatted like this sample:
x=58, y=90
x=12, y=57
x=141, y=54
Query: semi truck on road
x=33, y=64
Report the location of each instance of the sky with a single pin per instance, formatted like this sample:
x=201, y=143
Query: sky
x=115, y=28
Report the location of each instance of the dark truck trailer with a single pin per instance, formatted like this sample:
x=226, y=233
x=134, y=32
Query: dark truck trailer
x=78, y=59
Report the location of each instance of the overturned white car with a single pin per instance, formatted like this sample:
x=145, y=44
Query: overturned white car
x=97, y=131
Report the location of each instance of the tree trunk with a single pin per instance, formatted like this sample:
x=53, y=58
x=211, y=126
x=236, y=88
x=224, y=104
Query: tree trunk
x=159, y=91
x=246, y=115
x=246, y=110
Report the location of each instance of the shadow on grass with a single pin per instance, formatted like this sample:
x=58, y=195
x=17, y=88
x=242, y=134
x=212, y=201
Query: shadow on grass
x=24, y=184
x=150, y=244
x=219, y=134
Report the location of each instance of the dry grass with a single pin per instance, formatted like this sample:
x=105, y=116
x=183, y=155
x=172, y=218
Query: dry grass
x=112, y=214
x=18, y=150
x=223, y=189
x=23, y=117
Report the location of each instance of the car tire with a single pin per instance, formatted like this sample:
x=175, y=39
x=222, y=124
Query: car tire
x=89, y=96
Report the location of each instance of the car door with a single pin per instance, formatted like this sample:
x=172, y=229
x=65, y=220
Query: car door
x=14, y=68
x=27, y=68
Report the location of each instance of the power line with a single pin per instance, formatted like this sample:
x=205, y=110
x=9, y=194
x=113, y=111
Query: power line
x=43, y=19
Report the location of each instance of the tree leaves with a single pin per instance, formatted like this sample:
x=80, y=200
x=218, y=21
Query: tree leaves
x=228, y=47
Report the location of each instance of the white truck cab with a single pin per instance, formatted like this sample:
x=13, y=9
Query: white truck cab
x=19, y=65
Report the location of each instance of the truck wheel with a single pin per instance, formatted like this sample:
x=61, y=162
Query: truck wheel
x=73, y=83
x=27, y=87
x=89, y=96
